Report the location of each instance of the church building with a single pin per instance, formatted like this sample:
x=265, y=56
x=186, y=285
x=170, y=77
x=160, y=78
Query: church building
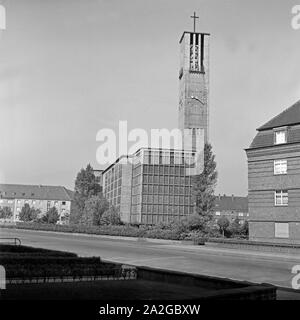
x=154, y=185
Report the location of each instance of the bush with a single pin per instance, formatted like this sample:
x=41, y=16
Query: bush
x=195, y=222
x=12, y=249
x=28, y=213
x=94, y=208
x=111, y=216
x=47, y=260
x=6, y=213
x=223, y=224
x=238, y=230
x=31, y=267
x=185, y=229
x=51, y=216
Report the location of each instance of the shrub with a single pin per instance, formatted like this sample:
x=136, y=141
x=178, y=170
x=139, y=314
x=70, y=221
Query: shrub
x=48, y=267
x=111, y=216
x=5, y=213
x=13, y=249
x=94, y=208
x=223, y=224
x=176, y=230
x=238, y=230
x=195, y=222
x=51, y=216
x=28, y=213
x=244, y=232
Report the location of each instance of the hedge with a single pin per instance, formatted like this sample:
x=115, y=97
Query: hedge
x=34, y=260
x=32, y=266
x=59, y=270
x=112, y=230
x=6, y=249
x=254, y=243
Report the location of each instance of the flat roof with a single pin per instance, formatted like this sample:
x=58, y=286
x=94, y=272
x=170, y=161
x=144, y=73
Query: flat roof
x=144, y=148
x=184, y=32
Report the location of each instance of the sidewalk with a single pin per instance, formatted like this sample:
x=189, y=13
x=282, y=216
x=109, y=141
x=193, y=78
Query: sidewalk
x=260, y=254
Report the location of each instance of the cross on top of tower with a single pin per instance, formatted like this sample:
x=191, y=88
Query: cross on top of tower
x=194, y=17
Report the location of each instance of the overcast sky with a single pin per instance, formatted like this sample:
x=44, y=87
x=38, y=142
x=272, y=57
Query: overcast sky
x=71, y=67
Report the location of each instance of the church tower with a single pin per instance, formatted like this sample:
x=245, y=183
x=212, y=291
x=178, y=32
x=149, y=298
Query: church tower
x=194, y=86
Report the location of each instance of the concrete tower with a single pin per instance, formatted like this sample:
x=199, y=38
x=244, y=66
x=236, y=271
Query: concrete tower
x=194, y=86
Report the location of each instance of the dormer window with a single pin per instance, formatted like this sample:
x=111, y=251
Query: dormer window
x=280, y=136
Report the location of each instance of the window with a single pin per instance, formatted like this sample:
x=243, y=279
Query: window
x=155, y=157
x=281, y=230
x=281, y=198
x=280, y=166
x=146, y=157
x=165, y=157
x=280, y=136
x=177, y=158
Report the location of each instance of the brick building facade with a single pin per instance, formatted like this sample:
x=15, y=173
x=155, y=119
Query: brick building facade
x=274, y=179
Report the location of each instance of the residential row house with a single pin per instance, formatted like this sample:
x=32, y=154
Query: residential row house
x=232, y=207
x=15, y=196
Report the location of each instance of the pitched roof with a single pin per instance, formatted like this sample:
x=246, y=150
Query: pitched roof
x=265, y=138
x=38, y=192
x=289, y=116
x=231, y=203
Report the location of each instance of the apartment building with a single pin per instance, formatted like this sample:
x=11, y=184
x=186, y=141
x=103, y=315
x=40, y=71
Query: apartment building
x=274, y=179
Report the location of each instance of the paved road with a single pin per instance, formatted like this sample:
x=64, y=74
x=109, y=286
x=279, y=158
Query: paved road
x=228, y=263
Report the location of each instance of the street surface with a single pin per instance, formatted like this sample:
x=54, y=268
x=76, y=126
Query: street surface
x=258, y=267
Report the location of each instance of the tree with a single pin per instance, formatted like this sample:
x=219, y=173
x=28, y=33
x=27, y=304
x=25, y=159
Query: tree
x=5, y=213
x=86, y=186
x=111, y=216
x=194, y=222
x=244, y=232
x=28, y=214
x=223, y=224
x=204, y=186
x=235, y=227
x=94, y=208
x=51, y=216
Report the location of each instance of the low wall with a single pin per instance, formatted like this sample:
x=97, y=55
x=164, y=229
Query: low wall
x=226, y=289
x=254, y=245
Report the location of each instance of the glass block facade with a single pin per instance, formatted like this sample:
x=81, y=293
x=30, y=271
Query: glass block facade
x=112, y=184
x=116, y=186
x=161, y=186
